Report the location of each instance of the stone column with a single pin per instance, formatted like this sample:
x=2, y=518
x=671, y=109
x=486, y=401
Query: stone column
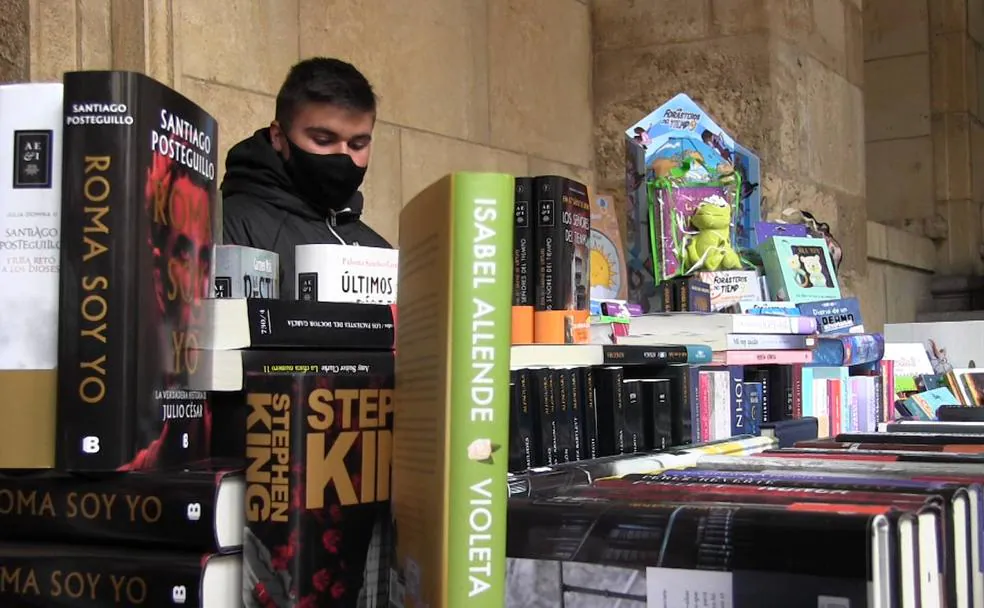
x=783, y=76
x=15, y=64
x=956, y=33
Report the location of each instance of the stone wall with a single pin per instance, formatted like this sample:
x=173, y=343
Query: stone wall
x=464, y=84
x=924, y=102
x=783, y=76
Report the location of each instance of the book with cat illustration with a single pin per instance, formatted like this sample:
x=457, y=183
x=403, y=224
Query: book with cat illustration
x=799, y=269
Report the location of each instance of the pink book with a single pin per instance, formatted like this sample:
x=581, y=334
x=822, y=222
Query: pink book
x=760, y=357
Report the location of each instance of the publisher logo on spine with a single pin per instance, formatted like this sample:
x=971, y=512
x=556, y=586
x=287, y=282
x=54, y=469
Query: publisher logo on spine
x=32, y=159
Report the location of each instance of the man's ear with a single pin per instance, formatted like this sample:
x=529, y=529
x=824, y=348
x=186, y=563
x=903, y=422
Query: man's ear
x=277, y=137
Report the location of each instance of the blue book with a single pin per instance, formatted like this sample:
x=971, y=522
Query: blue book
x=848, y=350
x=698, y=353
x=753, y=407
x=834, y=316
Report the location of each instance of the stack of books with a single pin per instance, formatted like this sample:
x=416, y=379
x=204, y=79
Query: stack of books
x=891, y=519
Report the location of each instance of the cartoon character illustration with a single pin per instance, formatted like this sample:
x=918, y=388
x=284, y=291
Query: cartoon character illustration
x=814, y=269
x=641, y=136
x=799, y=275
x=708, y=244
x=715, y=141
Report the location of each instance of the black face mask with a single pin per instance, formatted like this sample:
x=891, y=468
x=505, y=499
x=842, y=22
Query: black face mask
x=325, y=181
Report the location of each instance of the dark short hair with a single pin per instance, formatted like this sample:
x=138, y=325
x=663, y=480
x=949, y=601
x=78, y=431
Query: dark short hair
x=324, y=80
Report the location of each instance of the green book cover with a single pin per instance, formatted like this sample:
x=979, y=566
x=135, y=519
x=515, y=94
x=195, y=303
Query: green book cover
x=452, y=380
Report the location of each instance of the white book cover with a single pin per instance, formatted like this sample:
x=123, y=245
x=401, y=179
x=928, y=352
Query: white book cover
x=30, y=222
x=345, y=273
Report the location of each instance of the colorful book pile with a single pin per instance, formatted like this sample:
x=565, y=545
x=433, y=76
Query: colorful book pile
x=889, y=519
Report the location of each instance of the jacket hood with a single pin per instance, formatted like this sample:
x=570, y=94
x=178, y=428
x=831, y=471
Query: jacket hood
x=255, y=169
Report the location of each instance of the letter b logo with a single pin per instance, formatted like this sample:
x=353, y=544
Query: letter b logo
x=179, y=593
x=90, y=444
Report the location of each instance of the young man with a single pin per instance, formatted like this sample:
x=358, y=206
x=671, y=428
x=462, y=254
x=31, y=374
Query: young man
x=297, y=181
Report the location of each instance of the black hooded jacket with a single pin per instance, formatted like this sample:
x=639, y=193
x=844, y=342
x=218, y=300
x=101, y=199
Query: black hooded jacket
x=260, y=208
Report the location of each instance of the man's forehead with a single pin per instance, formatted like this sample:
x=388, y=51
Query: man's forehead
x=332, y=120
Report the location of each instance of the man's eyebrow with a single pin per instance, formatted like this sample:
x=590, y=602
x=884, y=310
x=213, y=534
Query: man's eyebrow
x=321, y=131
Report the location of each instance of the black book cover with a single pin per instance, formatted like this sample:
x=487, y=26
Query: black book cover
x=572, y=383
x=610, y=403
x=761, y=376
x=524, y=449
x=788, y=432
x=589, y=412
x=657, y=414
x=563, y=225
x=545, y=414
x=524, y=246
x=139, y=191
x=319, y=450
x=683, y=399
x=564, y=416
x=631, y=354
x=48, y=576
x=316, y=325
x=174, y=510
x=634, y=416
x=751, y=542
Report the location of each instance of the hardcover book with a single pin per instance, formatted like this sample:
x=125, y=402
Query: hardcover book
x=563, y=227
x=253, y=323
x=451, y=428
x=245, y=272
x=319, y=446
x=194, y=510
x=345, y=273
x=138, y=192
x=30, y=219
x=42, y=576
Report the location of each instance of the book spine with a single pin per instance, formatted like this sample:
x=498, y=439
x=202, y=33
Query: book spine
x=98, y=223
x=66, y=575
x=590, y=409
x=479, y=361
x=795, y=378
x=523, y=453
x=705, y=403
x=610, y=403
x=768, y=342
x=285, y=324
x=524, y=245
x=753, y=399
x=572, y=377
x=644, y=355
x=633, y=425
x=663, y=436
x=145, y=510
x=767, y=324
x=245, y=272
x=739, y=406
x=564, y=416
x=563, y=226
x=546, y=418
